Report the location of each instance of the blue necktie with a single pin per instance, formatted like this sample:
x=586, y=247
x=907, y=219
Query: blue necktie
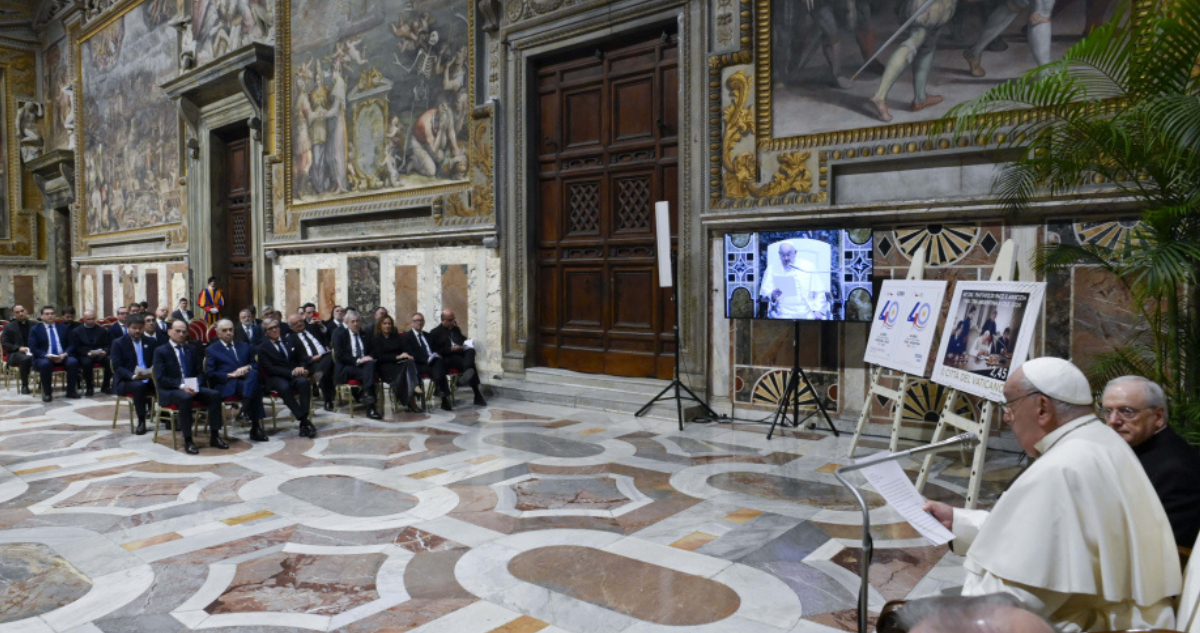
x=182, y=364
x=137, y=347
x=53, y=339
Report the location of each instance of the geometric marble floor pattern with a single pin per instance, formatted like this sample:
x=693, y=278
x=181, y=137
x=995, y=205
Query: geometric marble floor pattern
x=513, y=518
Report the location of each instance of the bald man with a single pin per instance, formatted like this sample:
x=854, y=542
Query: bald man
x=1080, y=538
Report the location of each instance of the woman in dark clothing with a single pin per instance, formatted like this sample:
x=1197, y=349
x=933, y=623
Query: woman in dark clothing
x=395, y=367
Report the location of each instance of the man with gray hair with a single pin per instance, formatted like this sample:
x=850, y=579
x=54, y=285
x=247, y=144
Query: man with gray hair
x=1080, y=538
x=994, y=613
x=1136, y=408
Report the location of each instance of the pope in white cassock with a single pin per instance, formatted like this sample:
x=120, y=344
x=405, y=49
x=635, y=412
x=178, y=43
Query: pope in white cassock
x=1081, y=537
x=795, y=289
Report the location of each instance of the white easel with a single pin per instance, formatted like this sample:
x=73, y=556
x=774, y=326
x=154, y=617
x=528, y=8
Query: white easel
x=1003, y=271
x=916, y=272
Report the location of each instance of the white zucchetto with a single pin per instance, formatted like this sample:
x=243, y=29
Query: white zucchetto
x=1058, y=379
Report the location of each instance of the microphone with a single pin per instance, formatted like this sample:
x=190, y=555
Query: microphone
x=962, y=439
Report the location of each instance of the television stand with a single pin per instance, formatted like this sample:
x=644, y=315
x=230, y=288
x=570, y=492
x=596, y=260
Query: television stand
x=792, y=393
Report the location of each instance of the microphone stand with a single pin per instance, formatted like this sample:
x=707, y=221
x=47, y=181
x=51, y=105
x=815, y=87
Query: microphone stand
x=867, y=544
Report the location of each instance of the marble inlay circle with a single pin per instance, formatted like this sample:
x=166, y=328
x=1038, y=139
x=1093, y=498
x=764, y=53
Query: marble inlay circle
x=547, y=445
x=777, y=487
x=36, y=581
x=346, y=495
x=642, y=590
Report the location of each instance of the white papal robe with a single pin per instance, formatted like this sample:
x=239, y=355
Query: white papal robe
x=1081, y=537
x=1189, y=602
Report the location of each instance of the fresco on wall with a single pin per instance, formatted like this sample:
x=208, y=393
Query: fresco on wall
x=131, y=129
x=953, y=51
x=57, y=80
x=4, y=214
x=221, y=26
x=380, y=96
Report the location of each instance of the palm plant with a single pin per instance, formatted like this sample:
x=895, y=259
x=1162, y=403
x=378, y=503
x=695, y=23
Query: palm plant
x=1118, y=116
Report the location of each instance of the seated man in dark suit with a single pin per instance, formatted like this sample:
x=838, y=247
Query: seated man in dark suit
x=173, y=363
x=15, y=341
x=1136, y=408
x=161, y=316
x=131, y=357
x=337, y=321
x=91, y=345
x=52, y=349
x=353, y=362
x=448, y=339
x=151, y=330
x=232, y=371
x=314, y=325
x=68, y=319
x=248, y=330
x=283, y=366
x=418, y=345
x=119, y=329
x=314, y=356
x=183, y=312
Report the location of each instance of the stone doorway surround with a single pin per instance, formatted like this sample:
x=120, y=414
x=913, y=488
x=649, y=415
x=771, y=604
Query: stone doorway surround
x=514, y=49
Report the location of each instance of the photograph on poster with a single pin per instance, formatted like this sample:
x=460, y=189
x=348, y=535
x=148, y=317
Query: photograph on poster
x=987, y=335
x=905, y=321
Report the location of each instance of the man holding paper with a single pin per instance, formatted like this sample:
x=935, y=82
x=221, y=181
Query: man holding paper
x=177, y=376
x=459, y=352
x=1081, y=537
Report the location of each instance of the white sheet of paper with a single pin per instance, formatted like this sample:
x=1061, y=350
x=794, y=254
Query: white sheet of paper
x=787, y=287
x=469, y=343
x=192, y=383
x=893, y=484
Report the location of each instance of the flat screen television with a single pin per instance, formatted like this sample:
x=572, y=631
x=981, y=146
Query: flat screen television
x=810, y=275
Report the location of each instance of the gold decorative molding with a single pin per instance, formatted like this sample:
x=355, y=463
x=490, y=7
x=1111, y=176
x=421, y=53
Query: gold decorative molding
x=741, y=169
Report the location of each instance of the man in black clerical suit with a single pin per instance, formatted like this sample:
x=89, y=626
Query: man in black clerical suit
x=173, y=363
x=69, y=320
x=314, y=356
x=1136, y=409
x=285, y=374
x=419, y=345
x=353, y=362
x=91, y=345
x=448, y=339
x=15, y=341
x=183, y=312
x=131, y=357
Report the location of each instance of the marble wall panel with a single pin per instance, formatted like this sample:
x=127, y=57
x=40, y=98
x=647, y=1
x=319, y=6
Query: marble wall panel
x=326, y=290
x=153, y=292
x=363, y=279
x=107, y=301
x=405, y=287
x=291, y=290
x=23, y=293
x=454, y=295
x=1103, y=314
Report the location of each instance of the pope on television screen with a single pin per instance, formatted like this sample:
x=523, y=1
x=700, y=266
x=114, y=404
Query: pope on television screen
x=815, y=275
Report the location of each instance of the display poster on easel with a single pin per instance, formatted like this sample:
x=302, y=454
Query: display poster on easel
x=988, y=332
x=906, y=316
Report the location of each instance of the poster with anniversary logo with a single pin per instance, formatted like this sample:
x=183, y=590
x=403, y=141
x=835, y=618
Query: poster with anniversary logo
x=906, y=317
x=987, y=335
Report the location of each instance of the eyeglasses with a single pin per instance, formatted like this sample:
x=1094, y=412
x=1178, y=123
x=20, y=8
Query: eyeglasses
x=1124, y=413
x=1006, y=408
x=272, y=327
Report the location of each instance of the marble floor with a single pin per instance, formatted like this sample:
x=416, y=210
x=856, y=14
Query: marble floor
x=513, y=518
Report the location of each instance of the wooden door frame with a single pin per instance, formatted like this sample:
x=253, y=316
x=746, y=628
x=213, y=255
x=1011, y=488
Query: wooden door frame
x=528, y=45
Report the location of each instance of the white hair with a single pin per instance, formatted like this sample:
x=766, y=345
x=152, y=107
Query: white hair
x=223, y=322
x=1152, y=392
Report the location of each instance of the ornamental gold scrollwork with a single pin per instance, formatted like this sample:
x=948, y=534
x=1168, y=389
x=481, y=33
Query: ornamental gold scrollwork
x=793, y=174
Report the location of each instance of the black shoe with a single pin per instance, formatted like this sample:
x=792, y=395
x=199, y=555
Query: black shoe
x=46, y=397
x=24, y=390
x=216, y=442
x=141, y=428
x=107, y=388
x=479, y=401
x=467, y=376
x=446, y=404
x=307, y=429
x=329, y=405
x=189, y=447
x=89, y=393
x=74, y=395
x=256, y=431
x=374, y=414
x=369, y=401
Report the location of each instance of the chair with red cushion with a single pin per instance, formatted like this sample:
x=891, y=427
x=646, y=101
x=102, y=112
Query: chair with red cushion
x=345, y=391
x=170, y=413
x=127, y=398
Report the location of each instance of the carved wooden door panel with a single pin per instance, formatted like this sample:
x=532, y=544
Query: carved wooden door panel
x=606, y=151
x=240, y=292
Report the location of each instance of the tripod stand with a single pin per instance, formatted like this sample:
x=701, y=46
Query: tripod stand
x=792, y=393
x=676, y=386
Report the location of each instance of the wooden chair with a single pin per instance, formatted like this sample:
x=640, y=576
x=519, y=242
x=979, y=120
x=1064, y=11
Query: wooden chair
x=58, y=378
x=6, y=372
x=344, y=392
x=273, y=396
x=128, y=399
x=170, y=413
x=429, y=388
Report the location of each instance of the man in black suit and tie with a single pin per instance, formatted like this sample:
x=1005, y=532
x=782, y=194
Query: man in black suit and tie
x=314, y=325
x=283, y=366
x=151, y=330
x=353, y=363
x=248, y=330
x=15, y=341
x=68, y=319
x=314, y=356
x=448, y=339
x=119, y=329
x=173, y=363
x=52, y=349
x=161, y=316
x=232, y=371
x=182, y=313
x=418, y=345
x=337, y=321
x=91, y=345
x=131, y=357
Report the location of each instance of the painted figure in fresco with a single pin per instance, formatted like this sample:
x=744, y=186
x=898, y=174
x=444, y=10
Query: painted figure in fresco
x=434, y=150
x=318, y=133
x=826, y=20
x=916, y=50
x=998, y=21
x=302, y=149
x=336, y=150
x=393, y=161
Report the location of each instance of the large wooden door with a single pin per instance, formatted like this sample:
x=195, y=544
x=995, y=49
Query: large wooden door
x=240, y=292
x=606, y=151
